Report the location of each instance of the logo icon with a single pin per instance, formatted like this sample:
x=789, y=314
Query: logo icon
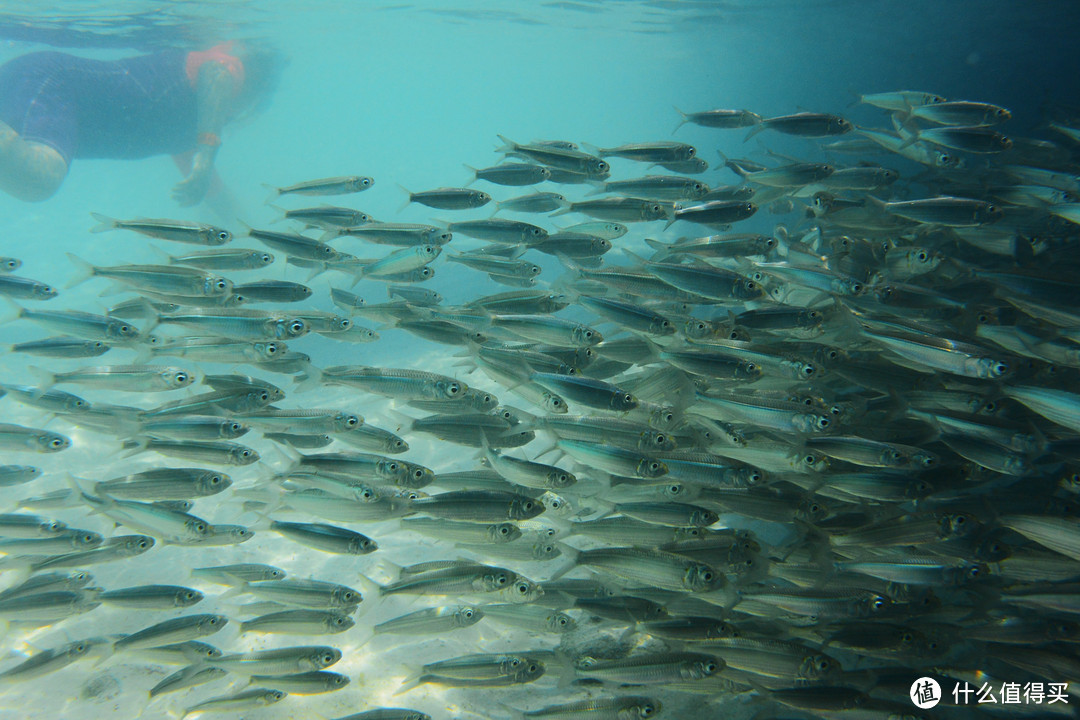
x=925, y=693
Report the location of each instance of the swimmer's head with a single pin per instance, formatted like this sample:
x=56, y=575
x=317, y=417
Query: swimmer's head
x=263, y=64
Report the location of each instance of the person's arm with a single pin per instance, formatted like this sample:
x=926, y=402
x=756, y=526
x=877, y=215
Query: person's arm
x=214, y=97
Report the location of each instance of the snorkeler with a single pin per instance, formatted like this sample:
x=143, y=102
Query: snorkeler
x=55, y=107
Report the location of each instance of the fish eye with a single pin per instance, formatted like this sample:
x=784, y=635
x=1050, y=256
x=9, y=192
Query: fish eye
x=224, y=236
x=808, y=370
x=181, y=377
x=991, y=208
x=879, y=603
x=453, y=389
x=418, y=473
x=56, y=443
x=528, y=505
x=297, y=327
x=810, y=459
x=647, y=710
x=212, y=621
x=1000, y=369
x=751, y=285
x=823, y=665
x=352, y=421
x=823, y=423
x=467, y=613
x=654, y=466
x=922, y=256
x=189, y=595
x=503, y=530
x=556, y=504
x=710, y=667
x=523, y=589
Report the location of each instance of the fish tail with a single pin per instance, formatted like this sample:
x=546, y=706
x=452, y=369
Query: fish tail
x=105, y=223
x=508, y=145
x=407, y=201
x=283, y=211
x=474, y=171
x=682, y=122
x=754, y=131
x=83, y=271
x=413, y=680
x=135, y=446
x=660, y=247
x=275, y=193
x=9, y=311
x=42, y=377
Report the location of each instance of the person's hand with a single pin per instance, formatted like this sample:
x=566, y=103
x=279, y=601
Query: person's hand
x=192, y=190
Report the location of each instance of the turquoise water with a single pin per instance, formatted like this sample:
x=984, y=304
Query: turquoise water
x=408, y=94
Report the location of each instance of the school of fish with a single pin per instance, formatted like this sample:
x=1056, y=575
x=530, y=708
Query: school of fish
x=654, y=465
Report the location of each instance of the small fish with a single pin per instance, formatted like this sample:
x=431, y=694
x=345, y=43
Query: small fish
x=512, y=174
x=720, y=119
x=177, y=630
x=250, y=699
x=19, y=438
x=299, y=622
x=145, y=597
x=26, y=288
x=449, y=198
x=325, y=186
x=174, y=230
x=540, y=202
x=805, y=124
x=432, y=620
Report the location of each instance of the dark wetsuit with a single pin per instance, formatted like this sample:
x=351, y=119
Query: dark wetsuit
x=130, y=108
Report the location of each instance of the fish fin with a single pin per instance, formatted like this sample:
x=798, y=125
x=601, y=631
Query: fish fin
x=564, y=210
x=404, y=421
x=275, y=193
x=598, y=187
x=682, y=122
x=414, y=679
x=42, y=377
x=83, y=271
x=281, y=210
x=754, y=131
x=594, y=150
x=135, y=446
x=105, y=223
x=657, y=245
x=508, y=145
x=409, y=199
x=909, y=141
x=474, y=171
x=569, y=264
x=9, y=310
x=633, y=256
